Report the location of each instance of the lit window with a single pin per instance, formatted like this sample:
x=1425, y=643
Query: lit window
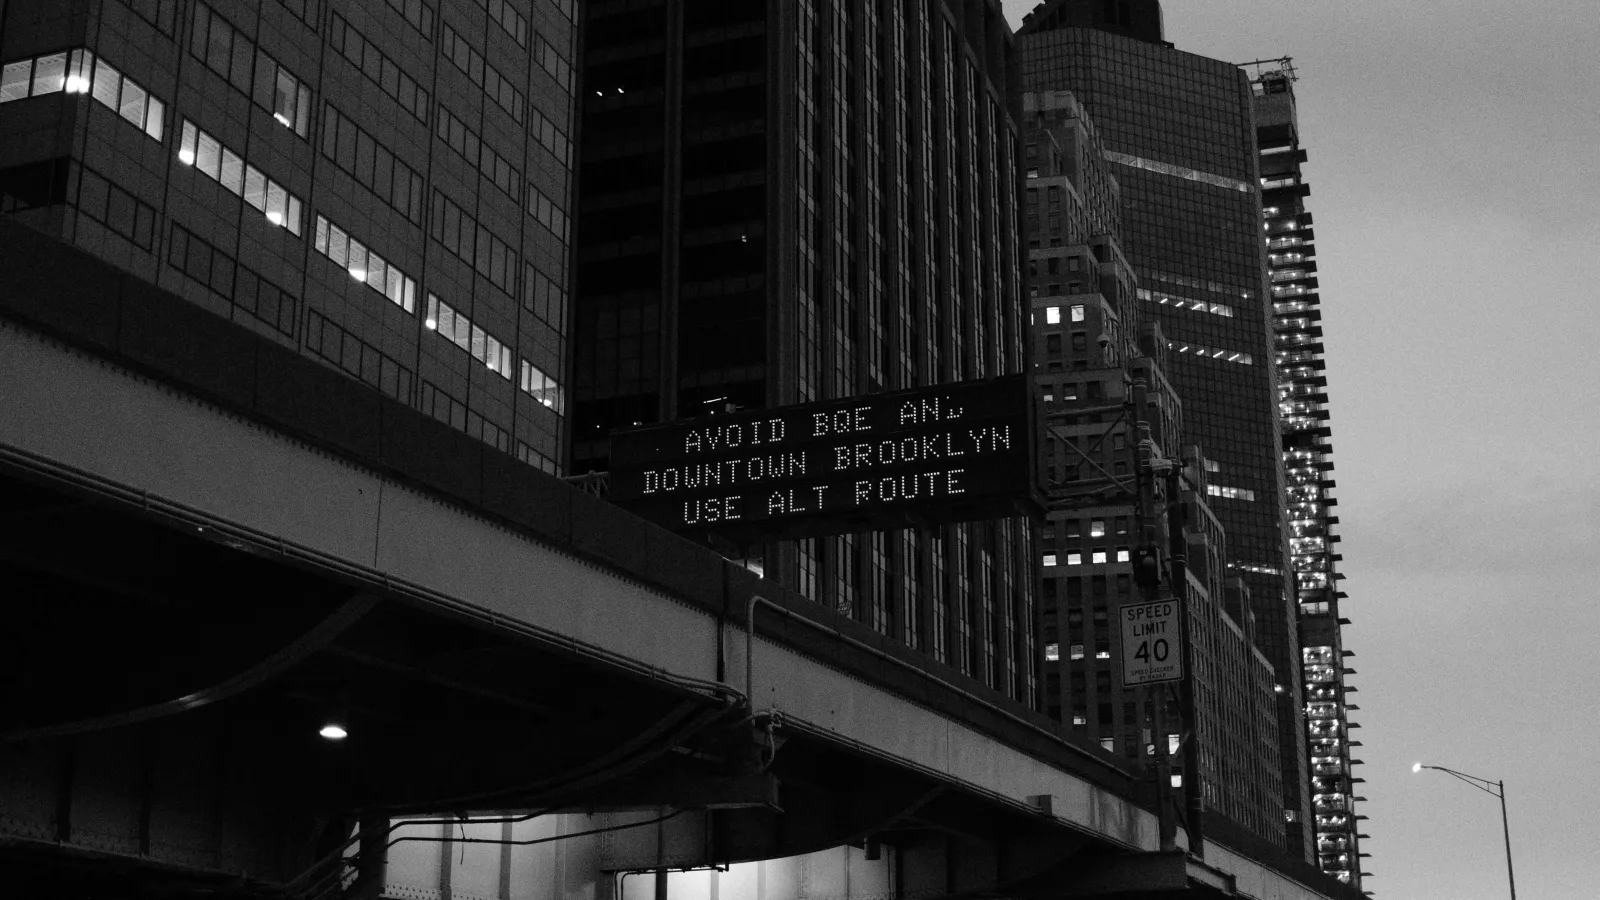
x=155, y=118
x=1078, y=313
x=50, y=74
x=1122, y=554
x=209, y=156
x=541, y=387
x=255, y=183
x=14, y=80
x=186, y=145
x=1052, y=652
x=79, y=72
x=1052, y=315
x=132, y=104
x=1099, y=556
x=1078, y=719
x=1097, y=527
x=1074, y=558
x=1108, y=743
x=1049, y=559
x=232, y=176
x=361, y=264
x=1077, y=651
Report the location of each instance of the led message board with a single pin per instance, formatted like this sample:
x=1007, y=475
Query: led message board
x=947, y=453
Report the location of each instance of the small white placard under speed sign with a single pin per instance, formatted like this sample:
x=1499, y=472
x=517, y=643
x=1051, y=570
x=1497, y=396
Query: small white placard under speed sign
x=1152, y=649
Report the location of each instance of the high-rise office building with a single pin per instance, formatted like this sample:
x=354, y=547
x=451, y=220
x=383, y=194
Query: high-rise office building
x=380, y=184
x=1308, y=469
x=1179, y=131
x=795, y=200
x=1088, y=352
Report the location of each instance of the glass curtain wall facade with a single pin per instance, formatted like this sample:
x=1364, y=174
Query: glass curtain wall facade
x=1308, y=467
x=798, y=200
x=1179, y=131
x=1085, y=299
x=379, y=184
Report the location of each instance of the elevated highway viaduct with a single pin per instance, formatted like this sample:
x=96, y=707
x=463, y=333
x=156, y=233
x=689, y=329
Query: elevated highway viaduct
x=212, y=547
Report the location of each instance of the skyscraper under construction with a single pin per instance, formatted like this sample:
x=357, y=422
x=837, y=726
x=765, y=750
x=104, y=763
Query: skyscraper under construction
x=1308, y=469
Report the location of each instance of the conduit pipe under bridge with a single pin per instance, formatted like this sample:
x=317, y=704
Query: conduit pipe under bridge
x=215, y=546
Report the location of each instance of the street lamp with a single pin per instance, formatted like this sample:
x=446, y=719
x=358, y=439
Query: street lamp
x=1493, y=788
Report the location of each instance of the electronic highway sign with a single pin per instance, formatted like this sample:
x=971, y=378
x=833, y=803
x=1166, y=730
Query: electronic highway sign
x=947, y=453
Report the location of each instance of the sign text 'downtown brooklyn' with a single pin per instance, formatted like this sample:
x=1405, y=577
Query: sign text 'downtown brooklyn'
x=940, y=454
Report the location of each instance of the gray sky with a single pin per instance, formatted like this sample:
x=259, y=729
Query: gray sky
x=1455, y=175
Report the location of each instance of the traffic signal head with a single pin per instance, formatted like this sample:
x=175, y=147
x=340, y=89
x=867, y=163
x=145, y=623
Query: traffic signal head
x=1146, y=566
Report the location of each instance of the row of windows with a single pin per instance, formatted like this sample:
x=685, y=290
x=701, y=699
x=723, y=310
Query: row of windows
x=545, y=298
x=1176, y=171
x=357, y=357
x=159, y=13
x=1232, y=356
x=478, y=153
x=241, y=285
x=1186, y=281
x=81, y=73
x=480, y=248
x=438, y=403
x=379, y=68
x=1091, y=390
x=547, y=213
x=551, y=137
x=554, y=63
x=115, y=208
x=501, y=13
x=1097, y=556
x=1052, y=653
x=1052, y=314
x=225, y=50
x=226, y=167
x=1073, y=528
x=1216, y=309
x=485, y=76
x=372, y=164
x=418, y=13
x=483, y=346
x=541, y=387
x=490, y=351
x=1231, y=493
x=365, y=266
x=304, y=10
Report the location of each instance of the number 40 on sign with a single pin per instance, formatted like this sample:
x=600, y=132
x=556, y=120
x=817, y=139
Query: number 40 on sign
x=1151, y=648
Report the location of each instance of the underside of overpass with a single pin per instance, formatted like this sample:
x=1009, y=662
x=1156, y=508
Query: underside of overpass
x=169, y=683
x=212, y=547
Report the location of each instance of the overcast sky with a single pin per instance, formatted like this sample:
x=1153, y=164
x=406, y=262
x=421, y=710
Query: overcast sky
x=1455, y=181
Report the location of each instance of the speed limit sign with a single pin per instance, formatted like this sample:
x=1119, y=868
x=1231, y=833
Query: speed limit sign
x=1152, y=649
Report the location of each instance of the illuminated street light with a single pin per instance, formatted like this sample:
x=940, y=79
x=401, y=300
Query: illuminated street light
x=1493, y=788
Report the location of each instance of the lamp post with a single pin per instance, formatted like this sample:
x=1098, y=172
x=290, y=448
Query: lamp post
x=1493, y=788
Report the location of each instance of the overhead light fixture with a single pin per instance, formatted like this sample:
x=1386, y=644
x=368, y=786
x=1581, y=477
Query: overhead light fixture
x=333, y=731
